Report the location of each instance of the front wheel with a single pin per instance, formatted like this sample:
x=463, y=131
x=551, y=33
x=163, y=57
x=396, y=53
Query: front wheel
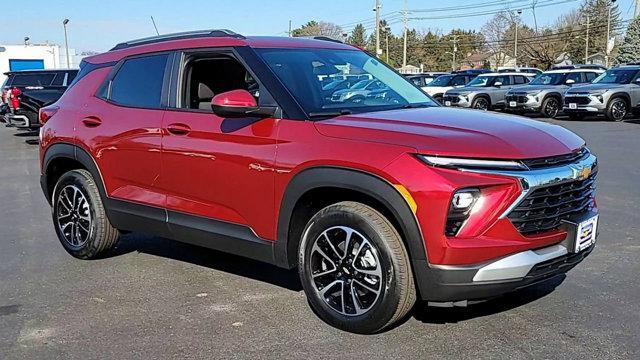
x=550, y=107
x=617, y=110
x=355, y=269
x=481, y=103
x=79, y=216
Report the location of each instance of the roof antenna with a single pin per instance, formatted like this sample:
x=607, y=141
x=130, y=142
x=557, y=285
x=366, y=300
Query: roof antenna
x=154, y=25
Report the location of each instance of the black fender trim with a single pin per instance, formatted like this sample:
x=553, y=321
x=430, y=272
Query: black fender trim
x=371, y=185
x=622, y=95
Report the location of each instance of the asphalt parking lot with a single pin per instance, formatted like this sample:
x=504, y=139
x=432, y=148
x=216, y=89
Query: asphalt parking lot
x=154, y=298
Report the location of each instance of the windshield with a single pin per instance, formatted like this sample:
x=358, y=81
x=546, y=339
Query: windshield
x=481, y=81
x=549, y=79
x=441, y=80
x=303, y=70
x=616, y=76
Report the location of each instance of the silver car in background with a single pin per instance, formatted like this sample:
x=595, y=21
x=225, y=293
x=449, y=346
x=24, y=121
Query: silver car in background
x=615, y=93
x=487, y=91
x=544, y=94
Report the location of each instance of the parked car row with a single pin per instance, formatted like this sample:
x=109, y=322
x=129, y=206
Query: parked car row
x=25, y=92
x=573, y=90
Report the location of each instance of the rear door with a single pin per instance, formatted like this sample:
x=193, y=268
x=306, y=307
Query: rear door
x=121, y=128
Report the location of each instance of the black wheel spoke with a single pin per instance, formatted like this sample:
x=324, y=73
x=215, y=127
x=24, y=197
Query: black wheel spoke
x=73, y=216
x=346, y=270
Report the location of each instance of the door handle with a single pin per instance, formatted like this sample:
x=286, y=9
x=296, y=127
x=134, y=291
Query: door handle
x=178, y=129
x=91, y=121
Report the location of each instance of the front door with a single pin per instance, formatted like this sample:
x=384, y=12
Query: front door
x=215, y=168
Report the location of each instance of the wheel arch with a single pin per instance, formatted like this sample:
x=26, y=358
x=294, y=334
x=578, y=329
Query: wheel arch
x=313, y=189
x=621, y=95
x=62, y=157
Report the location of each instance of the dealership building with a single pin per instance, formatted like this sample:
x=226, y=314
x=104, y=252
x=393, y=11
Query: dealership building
x=35, y=56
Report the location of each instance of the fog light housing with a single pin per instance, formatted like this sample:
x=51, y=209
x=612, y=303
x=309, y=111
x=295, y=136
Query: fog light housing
x=460, y=208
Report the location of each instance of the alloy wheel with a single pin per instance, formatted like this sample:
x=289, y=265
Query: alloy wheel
x=73, y=216
x=346, y=271
x=619, y=110
x=482, y=104
x=551, y=108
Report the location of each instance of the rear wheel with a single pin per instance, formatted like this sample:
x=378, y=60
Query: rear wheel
x=550, y=107
x=355, y=269
x=481, y=103
x=79, y=216
x=617, y=109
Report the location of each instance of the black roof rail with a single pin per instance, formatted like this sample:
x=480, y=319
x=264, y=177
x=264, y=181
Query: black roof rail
x=178, y=36
x=324, y=38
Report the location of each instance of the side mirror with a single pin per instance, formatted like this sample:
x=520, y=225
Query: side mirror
x=238, y=104
x=570, y=82
x=498, y=84
x=637, y=81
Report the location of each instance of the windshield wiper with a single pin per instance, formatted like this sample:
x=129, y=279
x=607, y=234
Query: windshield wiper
x=415, y=106
x=328, y=114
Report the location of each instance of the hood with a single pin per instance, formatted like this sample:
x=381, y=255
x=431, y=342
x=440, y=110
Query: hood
x=468, y=89
x=432, y=90
x=456, y=132
x=593, y=87
x=529, y=88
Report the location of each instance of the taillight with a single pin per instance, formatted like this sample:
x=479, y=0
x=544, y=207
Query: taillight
x=15, y=98
x=46, y=113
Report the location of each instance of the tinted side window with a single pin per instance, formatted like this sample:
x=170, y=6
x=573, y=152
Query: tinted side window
x=575, y=76
x=139, y=82
x=505, y=80
x=520, y=80
x=58, y=80
x=458, y=80
x=417, y=81
x=33, y=79
x=590, y=76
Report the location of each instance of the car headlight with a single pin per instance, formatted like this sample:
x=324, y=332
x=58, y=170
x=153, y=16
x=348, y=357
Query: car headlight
x=465, y=163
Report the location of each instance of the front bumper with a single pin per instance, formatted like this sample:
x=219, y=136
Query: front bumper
x=522, y=103
x=584, y=104
x=457, y=100
x=458, y=285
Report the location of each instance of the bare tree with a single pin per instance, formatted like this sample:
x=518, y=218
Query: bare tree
x=319, y=28
x=494, y=33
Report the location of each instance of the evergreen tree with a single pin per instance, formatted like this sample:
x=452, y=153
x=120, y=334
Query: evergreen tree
x=629, y=51
x=358, y=36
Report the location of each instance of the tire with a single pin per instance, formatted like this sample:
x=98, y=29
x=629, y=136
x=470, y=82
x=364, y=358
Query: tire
x=550, y=107
x=380, y=262
x=481, y=103
x=77, y=205
x=617, y=109
x=438, y=99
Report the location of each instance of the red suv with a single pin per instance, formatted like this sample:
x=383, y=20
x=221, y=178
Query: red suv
x=239, y=144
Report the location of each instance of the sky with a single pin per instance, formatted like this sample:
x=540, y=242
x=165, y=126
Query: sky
x=98, y=25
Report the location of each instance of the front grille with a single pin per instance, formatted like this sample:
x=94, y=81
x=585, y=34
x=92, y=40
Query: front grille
x=454, y=99
x=517, y=98
x=580, y=100
x=556, y=160
x=544, y=208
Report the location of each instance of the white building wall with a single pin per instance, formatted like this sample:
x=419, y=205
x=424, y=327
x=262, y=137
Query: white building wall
x=53, y=56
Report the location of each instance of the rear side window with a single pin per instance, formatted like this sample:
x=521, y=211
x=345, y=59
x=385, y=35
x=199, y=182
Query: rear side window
x=590, y=76
x=520, y=80
x=139, y=81
x=58, y=80
x=33, y=79
x=458, y=80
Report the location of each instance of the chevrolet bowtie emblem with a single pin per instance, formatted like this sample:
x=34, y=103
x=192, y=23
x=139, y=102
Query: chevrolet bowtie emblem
x=582, y=173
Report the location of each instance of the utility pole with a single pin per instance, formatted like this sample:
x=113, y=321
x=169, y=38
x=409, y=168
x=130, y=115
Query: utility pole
x=66, y=42
x=386, y=33
x=454, y=64
x=289, y=28
x=586, y=45
x=377, y=10
x=405, y=14
x=515, y=43
x=606, y=43
x=637, y=12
